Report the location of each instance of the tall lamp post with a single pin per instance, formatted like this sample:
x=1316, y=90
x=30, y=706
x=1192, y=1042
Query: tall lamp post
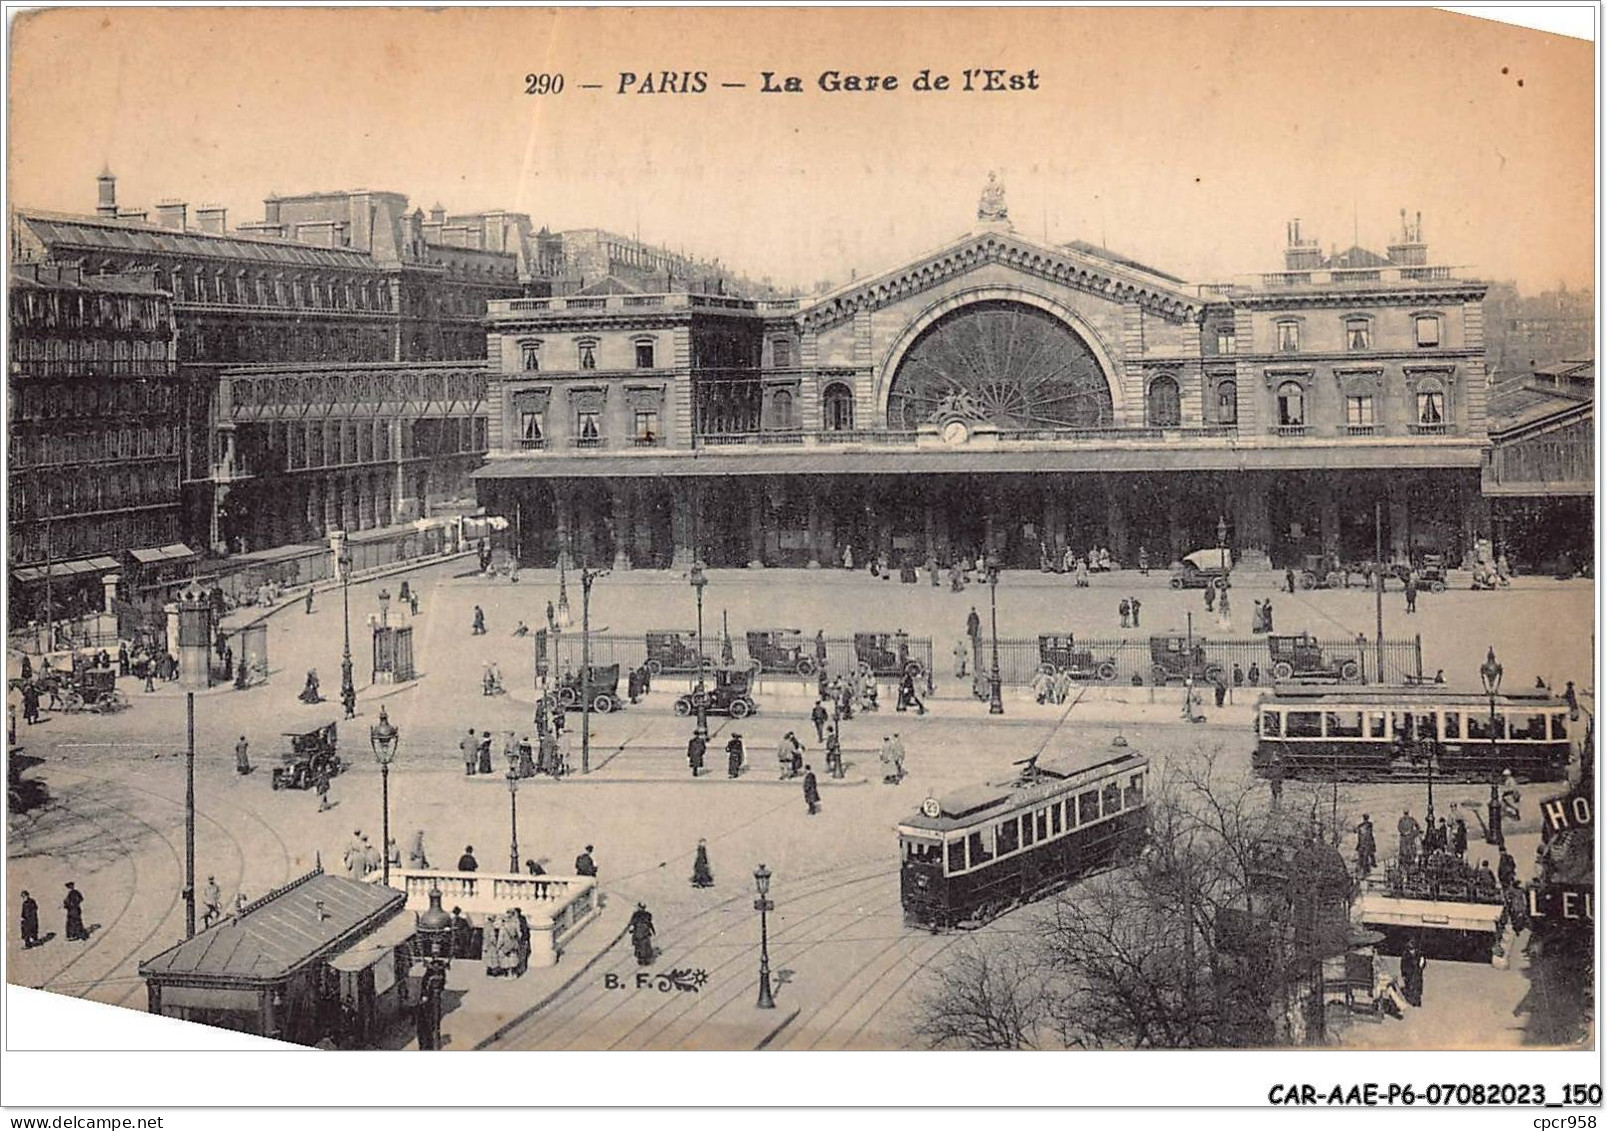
x=347, y=688
x=587, y=576
x=1490, y=676
x=384, y=738
x=513, y=821
x=699, y=583
x=763, y=905
x=436, y=943
x=995, y=695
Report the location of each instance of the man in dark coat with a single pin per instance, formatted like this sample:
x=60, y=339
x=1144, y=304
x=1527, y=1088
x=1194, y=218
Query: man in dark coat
x=1366, y=846
x=1412, y=963
x=30, y=922
x=242, y=756
x=74, y=904
x=696, y=748
x=734, y=756
x=973, y=624
x=1506, y=872
x=467, y=862
x=1411, y=836
x=1459, y=839
x=308, y=605
x=584, y=865
x=811, y=790
x=1137, y=604
x=122, y=659
x=818, y=716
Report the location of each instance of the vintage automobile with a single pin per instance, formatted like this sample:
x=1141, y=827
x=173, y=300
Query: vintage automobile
x=1321, y=571
x=1301, y=657
x=602, y=685
x=309, y=751
x=780, y=650
x=1058, y=654
x=1431, y=574
x=1203, y=568
x=731, y=694
x=1170, y=660
x=673, y=651
x=886, y=654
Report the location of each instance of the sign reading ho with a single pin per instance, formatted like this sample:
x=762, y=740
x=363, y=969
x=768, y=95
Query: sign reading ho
x=1565, y=813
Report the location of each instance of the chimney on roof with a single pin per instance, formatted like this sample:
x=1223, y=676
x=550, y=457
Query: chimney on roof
x=1300, y=254
x=438, y=213
x=212, y=218
x=270, y=210
x=1409, y=250
x=106, y=198
x=171, y=214
x=132, y=214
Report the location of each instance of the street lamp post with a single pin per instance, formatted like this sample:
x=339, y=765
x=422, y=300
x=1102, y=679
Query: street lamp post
x=435, y=939
x=1490, y=676
x=384, y=739
x=347, y=688
x=699, y=583
x=513, y=821
x=587, y=576
x=995, y=696
x=763, y=905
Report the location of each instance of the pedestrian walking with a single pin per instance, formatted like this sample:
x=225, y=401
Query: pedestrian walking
x=416, y=857
x=1411, y=592
x=834, y=754
x=1238, y=675
x=811, y=790
x=1412, y=966
x=585, y=865
x=702, y=877
x=479, y=622
x=1266, y=615
x=73, y=904
x=1571, y=697
x=1143, y=561
x=1289, y=580
x=321, y=785
x=641, y=931
x=467, y=862
x=1366, y=846
x=735, y=755
x=889, y=770
x=354, y=858
x=1459, y=839
x=1221, y=691
x=1125, y=608
x=962, y=654
x=906, y=693
x=1506, y=870
x=898, y=758
x=348, y=699
x=308, y=606
x=1410, y=836
x=696, y=747
x=818, y=716
x=484, y=752
x=1224, y=608
x=29, y=922
x=491, y=946
x=470, y=747
x=122, y=660
x=1210, y=597
x=211, y=903
x=789, y=755
x=1137, y=604
x=973, y=624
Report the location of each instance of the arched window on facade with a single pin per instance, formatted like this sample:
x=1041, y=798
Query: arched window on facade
x=1291, y=405
x=1165, y=403
x=781, y=415
x=1227, y=403
x=837, y=408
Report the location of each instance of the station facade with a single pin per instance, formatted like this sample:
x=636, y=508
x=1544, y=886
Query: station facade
x=1004, y=395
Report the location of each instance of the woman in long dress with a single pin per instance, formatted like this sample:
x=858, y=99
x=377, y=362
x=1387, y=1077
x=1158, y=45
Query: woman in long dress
x=702, y=876
x=641, y=929
x=491, y=946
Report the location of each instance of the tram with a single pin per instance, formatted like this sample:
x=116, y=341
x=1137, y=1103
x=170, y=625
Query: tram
x=972, y=855
x=1384, y=733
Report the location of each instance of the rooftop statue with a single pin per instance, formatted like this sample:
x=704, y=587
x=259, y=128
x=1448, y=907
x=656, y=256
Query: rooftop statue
x=992, y=206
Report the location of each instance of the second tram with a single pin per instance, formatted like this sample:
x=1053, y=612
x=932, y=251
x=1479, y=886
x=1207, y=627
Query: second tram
x=971, y=855
x=1379, y=733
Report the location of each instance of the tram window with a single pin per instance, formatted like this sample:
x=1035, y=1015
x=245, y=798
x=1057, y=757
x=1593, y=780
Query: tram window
x=1530, y=728
x=1344, y=724
x=1054, y=819
x=956, y=856
x=980, y=847
x=1271, y=724
x=1028, y=830
x=922, y=852
x=1071, y=813
x=1375, y=724
x=1451, y=721
x=1559, y=726
x=1043, y=824
x=1112, y=798
x=1304, y=724
x=1479, y=726
x=1009, y=836
x=1088, y=807
x=1135, y=792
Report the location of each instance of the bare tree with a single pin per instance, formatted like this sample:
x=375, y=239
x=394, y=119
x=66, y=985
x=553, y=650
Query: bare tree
x=988, y=997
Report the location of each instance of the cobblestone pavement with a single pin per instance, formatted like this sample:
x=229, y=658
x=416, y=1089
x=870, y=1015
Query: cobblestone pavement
x=114, y=823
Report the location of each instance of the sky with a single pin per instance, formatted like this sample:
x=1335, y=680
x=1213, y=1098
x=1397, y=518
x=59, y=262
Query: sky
x=1183, y=138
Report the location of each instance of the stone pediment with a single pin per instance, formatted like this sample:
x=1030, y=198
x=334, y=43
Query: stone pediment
x=1062, y=266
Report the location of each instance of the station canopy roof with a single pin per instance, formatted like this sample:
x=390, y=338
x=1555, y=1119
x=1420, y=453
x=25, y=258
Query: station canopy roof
x=273, y=938
x=149, y=555
x=64, y=570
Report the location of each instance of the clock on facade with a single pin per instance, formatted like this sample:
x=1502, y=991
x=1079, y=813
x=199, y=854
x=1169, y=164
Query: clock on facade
x=955, y=432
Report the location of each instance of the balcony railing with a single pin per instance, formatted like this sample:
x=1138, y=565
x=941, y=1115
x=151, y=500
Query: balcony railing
x=535, y=445
x=591, y=441
x=647, y=441
x=1361, y=429
x=1429, y=429
x=1289, y=429
x=90, y=367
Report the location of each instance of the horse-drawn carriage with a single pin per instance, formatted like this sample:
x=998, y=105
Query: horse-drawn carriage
x=780, y=650
x=602, y=685
x=731, y=694
x=1057, y=654
x=886, y=655
x=310, y=753
x=672, y=651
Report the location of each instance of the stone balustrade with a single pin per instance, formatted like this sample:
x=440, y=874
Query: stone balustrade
x=556, y=907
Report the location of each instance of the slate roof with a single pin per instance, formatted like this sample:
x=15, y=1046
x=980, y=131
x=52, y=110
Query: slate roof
x=76, y=232
x=280, y=933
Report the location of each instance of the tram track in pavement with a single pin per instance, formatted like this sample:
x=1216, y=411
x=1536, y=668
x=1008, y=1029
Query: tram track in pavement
x=542, y=1024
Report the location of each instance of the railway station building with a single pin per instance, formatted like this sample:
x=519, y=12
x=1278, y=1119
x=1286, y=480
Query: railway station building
x=998, y=393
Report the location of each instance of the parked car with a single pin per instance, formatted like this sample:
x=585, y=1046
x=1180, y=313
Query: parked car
x=780, y=650
x=731, y=694
x=1301, y=657
x=1060, y=654
x=1170, y=660
x=1203, y=568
